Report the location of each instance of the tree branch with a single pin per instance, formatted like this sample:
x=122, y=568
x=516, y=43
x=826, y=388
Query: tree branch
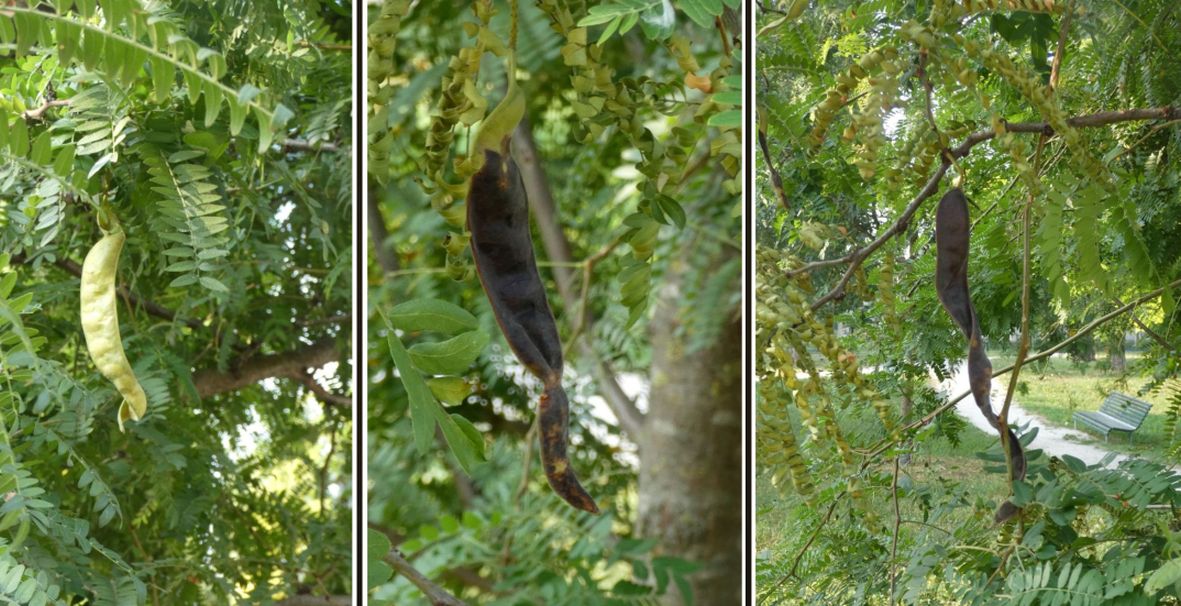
x=776, y=179
x=437, y=595
x=1084, y=331
x=871, y=456
x=38, y=113
x=290, y=145
x=316, y=600
x=800, y=554
x=855, y=258
x=1163, y=342
x=304, y=377
x=387, y=260
x=150, y=307
x=289, y=364
x=298, y=145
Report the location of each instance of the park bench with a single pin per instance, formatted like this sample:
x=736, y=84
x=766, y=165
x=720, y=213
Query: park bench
x=1119, y=412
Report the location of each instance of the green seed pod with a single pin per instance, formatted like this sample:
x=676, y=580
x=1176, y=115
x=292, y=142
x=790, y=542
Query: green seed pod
x=100, y=324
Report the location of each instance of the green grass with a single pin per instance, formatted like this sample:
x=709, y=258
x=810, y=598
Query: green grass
x=1057, y=387
x=937, y=465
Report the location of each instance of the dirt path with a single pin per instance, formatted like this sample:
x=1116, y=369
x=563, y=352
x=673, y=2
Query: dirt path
x=1054, y=440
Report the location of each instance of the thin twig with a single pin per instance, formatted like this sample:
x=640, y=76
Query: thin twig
x=437, y=595
x=307, y=380
x=342, y=48
x=1023, y=344
x=1084, y=331
x=800, y=555
x=930, y=110
x=38, y=113
x=776, y=178
x=298, y=145
x=1026, y=278
x=721, y=27
x=327, y=463
x=588, y=267
x=150, y=307
x=855, y=258
x=897, y=525
x=523, y=485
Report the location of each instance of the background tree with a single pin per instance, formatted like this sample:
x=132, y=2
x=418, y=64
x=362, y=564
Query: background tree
x=1059, y=118
x=629, y=153
x=218, y=134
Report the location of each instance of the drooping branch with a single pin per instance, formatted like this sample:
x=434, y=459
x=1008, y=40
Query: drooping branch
x=437, y=595
x=289, y=364
x=900, y=224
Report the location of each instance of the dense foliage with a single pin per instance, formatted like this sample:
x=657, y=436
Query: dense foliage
x=629, y=151
x=1059, y=120
x=217, y=134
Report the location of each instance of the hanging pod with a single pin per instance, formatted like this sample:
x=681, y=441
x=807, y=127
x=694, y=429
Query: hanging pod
x=100, y=319
x=502, y=248
x=952, y=236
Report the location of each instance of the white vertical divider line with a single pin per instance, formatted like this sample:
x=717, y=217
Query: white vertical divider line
x=750, y=42
x=360, y=288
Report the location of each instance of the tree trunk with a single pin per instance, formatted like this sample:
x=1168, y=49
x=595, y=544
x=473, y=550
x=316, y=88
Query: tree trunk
x=1115, y=354
x=690, y=494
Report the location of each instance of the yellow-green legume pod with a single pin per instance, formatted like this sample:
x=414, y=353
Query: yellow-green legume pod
x=100, y=324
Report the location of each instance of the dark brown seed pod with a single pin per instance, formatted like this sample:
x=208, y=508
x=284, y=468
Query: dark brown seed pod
x=498, y=219
x=952, y=238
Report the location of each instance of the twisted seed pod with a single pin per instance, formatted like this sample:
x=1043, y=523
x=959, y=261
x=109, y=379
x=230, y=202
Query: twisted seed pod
x=100, y=324
x=498, y=218
x=952, y=235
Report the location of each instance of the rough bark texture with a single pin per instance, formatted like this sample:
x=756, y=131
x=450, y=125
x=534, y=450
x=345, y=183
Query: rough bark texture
x=690, y=471
x=287, y=364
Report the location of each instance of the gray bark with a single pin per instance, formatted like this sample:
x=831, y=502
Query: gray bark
x=691, y=468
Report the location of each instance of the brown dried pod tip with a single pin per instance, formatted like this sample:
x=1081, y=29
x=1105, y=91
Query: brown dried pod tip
x=952, y=238
x=498, y=219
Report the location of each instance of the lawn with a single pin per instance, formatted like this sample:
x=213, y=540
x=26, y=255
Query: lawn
x=1057, y=387
x=937, y=469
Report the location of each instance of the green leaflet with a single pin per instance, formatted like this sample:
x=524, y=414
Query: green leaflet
x=425, y=411
x=431, y=315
